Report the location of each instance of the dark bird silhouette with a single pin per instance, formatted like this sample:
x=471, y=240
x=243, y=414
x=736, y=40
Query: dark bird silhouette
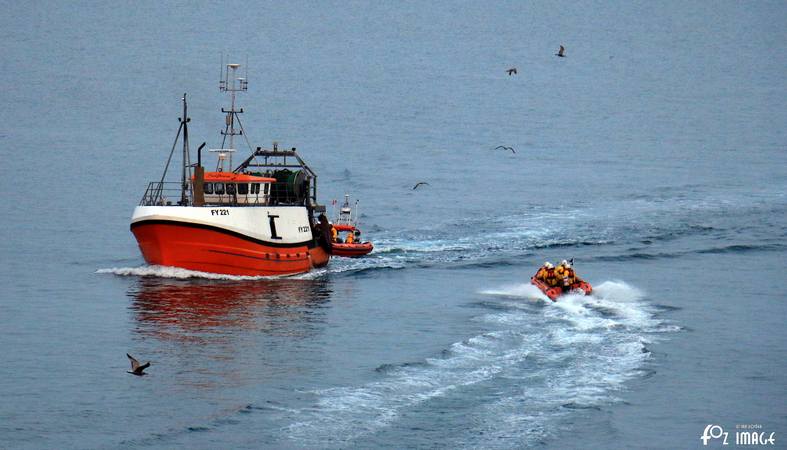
x=506, y=148
x=420, y=183
x=511, y=71
x=136, y=368
x=560, y=52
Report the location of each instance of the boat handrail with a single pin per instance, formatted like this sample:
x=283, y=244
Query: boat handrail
x=168, y=193
x=159, y=194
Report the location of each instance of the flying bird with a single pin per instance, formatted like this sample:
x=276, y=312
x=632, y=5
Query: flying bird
x=560, y=52
x=136, y=368
x=420, y=183
x=506, y=148
x=511, y=71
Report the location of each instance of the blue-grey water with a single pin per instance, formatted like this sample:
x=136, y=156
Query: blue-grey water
x=654, y=154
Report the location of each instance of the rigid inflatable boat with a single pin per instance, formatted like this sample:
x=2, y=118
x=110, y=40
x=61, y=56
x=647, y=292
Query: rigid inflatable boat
x=580, y=287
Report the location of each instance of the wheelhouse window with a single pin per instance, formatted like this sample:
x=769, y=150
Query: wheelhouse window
x=208, y=188
x=230, y=188
x=219, y=188
x=243, y=188
x=255, y=188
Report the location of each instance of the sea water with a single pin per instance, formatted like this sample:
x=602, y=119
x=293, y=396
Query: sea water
x=653, y=154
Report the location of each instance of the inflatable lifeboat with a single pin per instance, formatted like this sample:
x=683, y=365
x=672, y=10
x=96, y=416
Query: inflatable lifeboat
x=580, y=287
x=352, y=250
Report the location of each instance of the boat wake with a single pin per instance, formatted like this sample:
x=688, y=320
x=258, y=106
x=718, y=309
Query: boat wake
x=618, y=232
x=173, y=272
x=522, y=290
x=622, y=234
x=538, y=362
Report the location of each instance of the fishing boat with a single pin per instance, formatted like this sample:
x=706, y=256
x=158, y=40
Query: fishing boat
x=346, y=228
x=259, y=218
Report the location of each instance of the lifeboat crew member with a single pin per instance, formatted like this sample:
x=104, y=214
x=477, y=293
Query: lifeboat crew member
x=549, y=276
x=571, y=276
x=560, y=268
x=334, y=234
x=541, y=275
x=350, y=238
x=324, y=231
x=561, y=273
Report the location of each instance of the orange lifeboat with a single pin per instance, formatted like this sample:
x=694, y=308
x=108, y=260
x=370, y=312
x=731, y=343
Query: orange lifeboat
x=352, y=250
x=345, y=223
x=553, y=292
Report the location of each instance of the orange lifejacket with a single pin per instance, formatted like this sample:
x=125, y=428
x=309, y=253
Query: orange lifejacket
x=350, y=238
x=570, y=275
x=561, y=273
x=550, y=277
x=334, y=234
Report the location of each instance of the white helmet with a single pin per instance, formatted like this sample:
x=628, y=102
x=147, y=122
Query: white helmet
x=564, y=263
x=549, y=265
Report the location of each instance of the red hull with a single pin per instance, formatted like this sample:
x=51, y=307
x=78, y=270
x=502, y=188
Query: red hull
x=216, y=251
x=554, y=292
x=351, y=250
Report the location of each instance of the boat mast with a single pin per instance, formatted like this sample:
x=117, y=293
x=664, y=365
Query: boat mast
x=228, y=84
x=158, y=191
x=184, y=185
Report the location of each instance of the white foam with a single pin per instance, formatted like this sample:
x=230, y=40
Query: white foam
x=626, y=302
x=350, y=412
x=173, y=272
x=573, y=304
x=584, y=373
x=425, y=246
x=589, y=346
x=511, y=319
x=618, y=291
x=344, y=265
x=522, y=290
x=581, y=355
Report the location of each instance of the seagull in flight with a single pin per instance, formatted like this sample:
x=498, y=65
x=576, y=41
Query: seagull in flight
x=506, y=148
x=511, y=71
x=136, y=368
x=560, y=52
x=420, y=183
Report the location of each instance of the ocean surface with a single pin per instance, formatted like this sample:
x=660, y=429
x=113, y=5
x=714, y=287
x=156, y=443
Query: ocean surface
x=654, y=153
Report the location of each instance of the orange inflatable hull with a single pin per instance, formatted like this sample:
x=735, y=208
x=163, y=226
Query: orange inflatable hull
x=208, y=249
x=351, y=250
x=554, y=292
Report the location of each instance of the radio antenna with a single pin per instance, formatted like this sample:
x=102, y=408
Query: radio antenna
x=221, y=70
x=232, y=84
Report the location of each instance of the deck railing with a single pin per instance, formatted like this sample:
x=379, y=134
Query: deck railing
x=168, y=193
x=163, y=194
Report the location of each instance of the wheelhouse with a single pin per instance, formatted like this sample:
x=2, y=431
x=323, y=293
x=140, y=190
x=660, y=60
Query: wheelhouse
x=267, y=177
x=228, y=188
